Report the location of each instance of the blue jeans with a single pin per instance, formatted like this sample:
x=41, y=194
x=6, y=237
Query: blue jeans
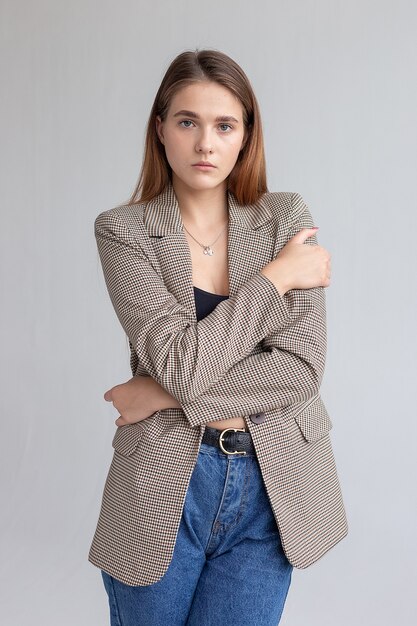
x=228, y=565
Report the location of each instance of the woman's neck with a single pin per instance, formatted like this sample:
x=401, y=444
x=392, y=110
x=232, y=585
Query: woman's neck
x=203, y=210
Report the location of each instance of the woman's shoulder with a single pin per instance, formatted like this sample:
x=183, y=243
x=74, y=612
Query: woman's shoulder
x=285, y=206
x=124, y=214
x=124, y=219
x=122, y=211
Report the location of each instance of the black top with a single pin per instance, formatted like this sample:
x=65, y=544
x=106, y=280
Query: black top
x=206, y=302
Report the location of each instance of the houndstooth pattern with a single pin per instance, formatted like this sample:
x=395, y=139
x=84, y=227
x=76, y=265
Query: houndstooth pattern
x=257, y=351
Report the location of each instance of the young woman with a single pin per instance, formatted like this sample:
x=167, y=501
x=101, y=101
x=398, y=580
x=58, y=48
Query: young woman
x=223, y=477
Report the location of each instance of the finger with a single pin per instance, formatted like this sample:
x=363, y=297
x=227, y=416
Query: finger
x=304, y=234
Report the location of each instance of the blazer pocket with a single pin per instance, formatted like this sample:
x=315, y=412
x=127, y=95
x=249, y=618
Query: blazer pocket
x=314, y=420
x=126, y=438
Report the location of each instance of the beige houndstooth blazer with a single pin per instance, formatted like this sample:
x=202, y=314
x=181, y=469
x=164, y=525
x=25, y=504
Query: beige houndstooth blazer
x=256, y=352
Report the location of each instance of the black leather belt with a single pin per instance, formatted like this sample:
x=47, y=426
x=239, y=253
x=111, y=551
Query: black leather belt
x=230, y=440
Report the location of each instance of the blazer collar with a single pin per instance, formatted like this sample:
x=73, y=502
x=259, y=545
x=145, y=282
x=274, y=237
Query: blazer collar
x=162, y=214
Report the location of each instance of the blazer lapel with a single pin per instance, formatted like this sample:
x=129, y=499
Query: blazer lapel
x=250, y=243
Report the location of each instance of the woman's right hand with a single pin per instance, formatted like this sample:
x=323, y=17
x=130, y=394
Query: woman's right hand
x=299, y=266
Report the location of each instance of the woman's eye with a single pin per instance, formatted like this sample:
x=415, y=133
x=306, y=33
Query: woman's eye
x=223, y=127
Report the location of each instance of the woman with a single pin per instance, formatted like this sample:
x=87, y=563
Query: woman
x=223, y=477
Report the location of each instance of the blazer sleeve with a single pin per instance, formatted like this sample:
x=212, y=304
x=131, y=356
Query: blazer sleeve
x=184, y=356
x=291, y=367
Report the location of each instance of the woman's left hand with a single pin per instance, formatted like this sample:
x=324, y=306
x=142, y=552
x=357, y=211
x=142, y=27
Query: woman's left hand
x=135, y=400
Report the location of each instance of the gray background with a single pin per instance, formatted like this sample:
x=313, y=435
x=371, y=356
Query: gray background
x=336, y=82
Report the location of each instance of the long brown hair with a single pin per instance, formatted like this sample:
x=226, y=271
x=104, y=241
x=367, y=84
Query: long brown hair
x=247, y=180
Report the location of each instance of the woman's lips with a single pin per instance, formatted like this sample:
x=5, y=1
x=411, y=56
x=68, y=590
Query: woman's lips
x=205, y=167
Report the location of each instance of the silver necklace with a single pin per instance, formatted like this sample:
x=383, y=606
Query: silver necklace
x=206, y=249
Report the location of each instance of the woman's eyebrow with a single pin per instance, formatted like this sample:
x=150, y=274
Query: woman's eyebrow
x=220, y=118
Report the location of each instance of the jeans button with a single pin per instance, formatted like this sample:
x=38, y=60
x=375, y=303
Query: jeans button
x=257, y=418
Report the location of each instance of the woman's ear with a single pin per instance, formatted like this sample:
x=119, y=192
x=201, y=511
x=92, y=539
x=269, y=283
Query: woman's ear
x=159, y=128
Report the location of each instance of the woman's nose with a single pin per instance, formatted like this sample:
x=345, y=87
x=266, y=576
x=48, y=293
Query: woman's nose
x=204, y=143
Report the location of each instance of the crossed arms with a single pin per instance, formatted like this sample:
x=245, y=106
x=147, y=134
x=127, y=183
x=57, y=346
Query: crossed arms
x=217, y=362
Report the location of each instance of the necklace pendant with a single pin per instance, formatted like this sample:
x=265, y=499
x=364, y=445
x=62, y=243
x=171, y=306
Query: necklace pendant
x=208, y=250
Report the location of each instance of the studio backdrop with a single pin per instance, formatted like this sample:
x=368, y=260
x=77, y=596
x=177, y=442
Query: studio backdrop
x=336, y=83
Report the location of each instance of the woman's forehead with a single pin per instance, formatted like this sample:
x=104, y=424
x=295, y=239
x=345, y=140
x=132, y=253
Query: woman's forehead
x=206, y=99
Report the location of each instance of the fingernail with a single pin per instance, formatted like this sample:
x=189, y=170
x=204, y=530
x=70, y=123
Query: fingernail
x=315, y=227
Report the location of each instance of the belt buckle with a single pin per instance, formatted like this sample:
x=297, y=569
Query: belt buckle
x=223, y=449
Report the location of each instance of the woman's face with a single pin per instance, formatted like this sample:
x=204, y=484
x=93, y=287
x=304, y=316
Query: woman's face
x=204, y=123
